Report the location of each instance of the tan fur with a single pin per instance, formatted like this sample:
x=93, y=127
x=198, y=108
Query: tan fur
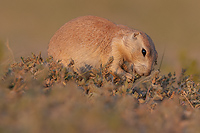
x=91, y=40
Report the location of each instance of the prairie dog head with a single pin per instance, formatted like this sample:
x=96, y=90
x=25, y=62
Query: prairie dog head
x=138, y=49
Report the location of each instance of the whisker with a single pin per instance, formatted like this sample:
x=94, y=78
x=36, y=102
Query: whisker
x=162, y=58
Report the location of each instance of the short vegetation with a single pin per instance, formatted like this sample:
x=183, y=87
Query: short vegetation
x=38, y=95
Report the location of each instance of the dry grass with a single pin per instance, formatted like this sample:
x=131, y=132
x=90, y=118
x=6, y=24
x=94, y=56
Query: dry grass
x=43, y=96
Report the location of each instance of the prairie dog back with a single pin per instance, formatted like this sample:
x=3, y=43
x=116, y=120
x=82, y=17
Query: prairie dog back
x=81, y=38
x=91, y=40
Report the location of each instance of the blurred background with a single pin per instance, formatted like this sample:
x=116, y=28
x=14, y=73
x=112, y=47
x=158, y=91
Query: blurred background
x=26, y=26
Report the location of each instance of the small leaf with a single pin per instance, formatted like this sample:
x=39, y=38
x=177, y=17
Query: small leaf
x=141, y=100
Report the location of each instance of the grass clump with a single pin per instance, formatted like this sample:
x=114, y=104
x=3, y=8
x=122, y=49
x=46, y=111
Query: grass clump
x=44, y=96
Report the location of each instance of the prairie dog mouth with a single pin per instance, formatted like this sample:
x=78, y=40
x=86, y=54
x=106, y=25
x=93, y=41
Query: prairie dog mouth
x=142, y=70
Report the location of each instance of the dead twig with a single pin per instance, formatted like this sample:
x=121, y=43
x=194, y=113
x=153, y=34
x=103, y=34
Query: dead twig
x=184, y=94
x=10, y=50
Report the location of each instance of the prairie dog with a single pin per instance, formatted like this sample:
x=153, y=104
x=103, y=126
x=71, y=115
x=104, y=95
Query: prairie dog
x=91, y=40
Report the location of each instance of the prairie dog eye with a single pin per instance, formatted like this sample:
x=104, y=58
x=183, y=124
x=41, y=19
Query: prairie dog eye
x=144, y=52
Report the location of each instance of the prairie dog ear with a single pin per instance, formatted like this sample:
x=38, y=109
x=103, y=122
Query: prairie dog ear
x=131, y=36
x=135, y=35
